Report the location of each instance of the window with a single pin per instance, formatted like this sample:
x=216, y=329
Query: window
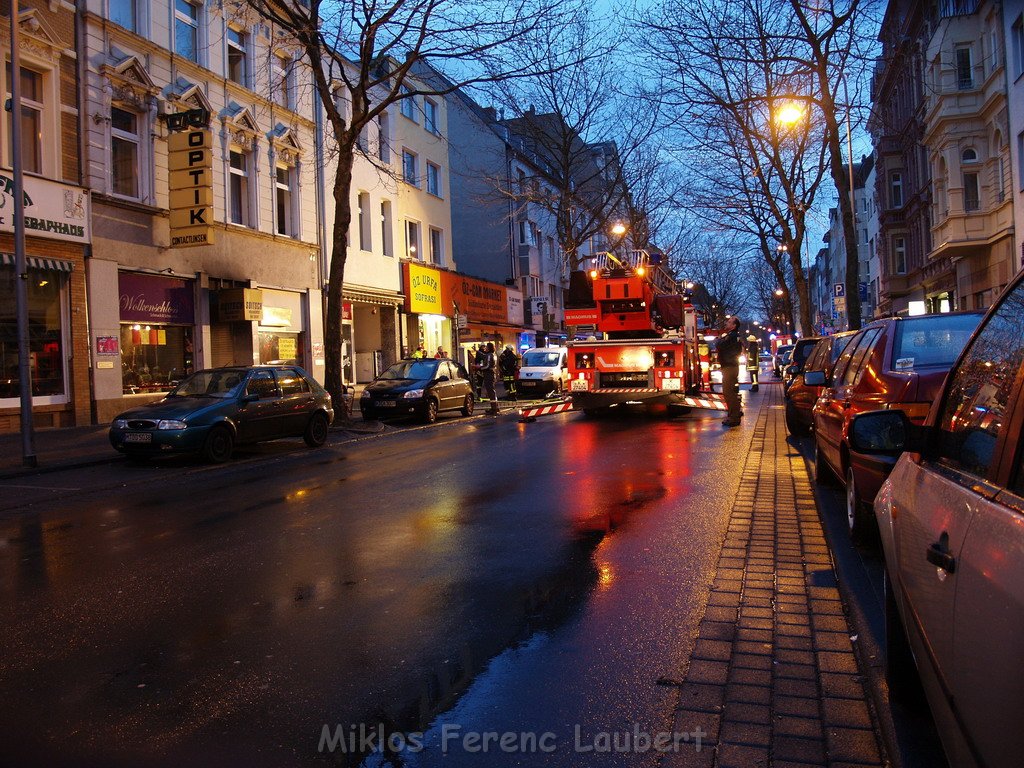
x=1017, y=42
x=238, y=70
x=969, y=155
x=408, y=103
x=430, y=116
x=433, y=179
x=363, y=140
x=123, y=12
x=238, y=167
x=1020, y=158
x=972, y=192
x=412, y=239
x=46, y=336
x=186, y=29
x=975, y=407
x=291, y=383
x=436, y=247
x=384, y=137
x=899, y=255
x=124, y=152
x=410, y=169
x=364, y=222
x=280, y=81
x=844, y=359
x=895, y=190
x=385, y=228
x=859, y=361
x=284, y=224
x=261, y=383
x=923, y=341
x=31, y=120
x=154, y=356
x=964, y=74
x=552, y=296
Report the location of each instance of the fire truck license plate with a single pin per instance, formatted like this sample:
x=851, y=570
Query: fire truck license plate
x=672, y=384
x=579, y=385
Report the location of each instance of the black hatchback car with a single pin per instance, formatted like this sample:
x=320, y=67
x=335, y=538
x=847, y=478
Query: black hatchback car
x=419, y=387
x=212, y=411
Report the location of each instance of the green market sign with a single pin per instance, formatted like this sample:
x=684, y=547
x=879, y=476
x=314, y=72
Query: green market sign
x=52, y=210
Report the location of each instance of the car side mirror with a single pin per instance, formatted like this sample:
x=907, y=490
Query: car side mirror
x=793, y=370
x=250, y=397
x=814, y=378
x=886, y=433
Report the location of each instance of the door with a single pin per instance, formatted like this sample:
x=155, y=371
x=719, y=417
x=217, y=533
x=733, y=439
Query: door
x=446, y=391
x=297, y=402
x=961, y=606
x=257, y=418
x=831, y=408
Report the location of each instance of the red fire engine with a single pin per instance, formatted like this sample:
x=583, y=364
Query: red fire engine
x=649, y=357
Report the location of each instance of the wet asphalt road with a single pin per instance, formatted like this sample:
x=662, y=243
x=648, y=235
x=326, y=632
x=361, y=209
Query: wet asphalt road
x=480, y=574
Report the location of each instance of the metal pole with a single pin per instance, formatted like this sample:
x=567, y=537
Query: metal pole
x=28, y=449
x=853, y=206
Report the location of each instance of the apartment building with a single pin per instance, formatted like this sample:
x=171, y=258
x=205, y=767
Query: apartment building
x=1013, y=25
x=58, y=224
x=236, y=277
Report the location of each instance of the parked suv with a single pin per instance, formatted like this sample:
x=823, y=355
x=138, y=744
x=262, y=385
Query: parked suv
x=798, y=358
x=951, y=519
x=895, y=362
x=817, y=373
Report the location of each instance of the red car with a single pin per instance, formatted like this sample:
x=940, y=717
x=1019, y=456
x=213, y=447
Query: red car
x=803, y=393
x=896, y=362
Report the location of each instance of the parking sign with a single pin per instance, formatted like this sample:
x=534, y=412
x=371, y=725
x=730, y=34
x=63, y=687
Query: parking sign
x=839, y=290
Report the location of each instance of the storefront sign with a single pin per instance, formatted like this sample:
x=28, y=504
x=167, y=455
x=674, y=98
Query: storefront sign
x=286, y=348
x=52, y=210
x=240, y=304
x=482, y=301
x=514, y=306
x=152, y=299
x=581, y=316
x=346, y=310
x=106, y=345
x=423, y=291
x=190, y=162
x=276, y=317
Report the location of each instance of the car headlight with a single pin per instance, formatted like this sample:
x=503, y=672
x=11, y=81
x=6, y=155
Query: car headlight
x=365, y=395
x=171, y=424
x=120, y=423
x=413, y=393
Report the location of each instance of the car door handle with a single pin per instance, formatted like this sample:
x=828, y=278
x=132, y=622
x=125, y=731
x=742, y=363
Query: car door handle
x=939, y=556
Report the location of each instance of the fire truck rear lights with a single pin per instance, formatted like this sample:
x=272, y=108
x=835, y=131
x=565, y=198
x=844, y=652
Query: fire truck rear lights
x=641, y=271
x=593, y=274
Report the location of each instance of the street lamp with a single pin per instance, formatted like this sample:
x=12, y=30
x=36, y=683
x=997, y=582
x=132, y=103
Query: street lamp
x=780, y=292
x=790, y=114
x=618, y=229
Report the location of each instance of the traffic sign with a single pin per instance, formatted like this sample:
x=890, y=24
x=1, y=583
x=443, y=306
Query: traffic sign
x=862, y=291
x=839, y=291
x=840, y=303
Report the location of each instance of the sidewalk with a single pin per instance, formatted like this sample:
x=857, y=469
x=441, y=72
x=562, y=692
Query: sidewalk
x=773, y=679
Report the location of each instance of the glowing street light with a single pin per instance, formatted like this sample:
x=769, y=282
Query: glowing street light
x=790, y=114
x=618, y=229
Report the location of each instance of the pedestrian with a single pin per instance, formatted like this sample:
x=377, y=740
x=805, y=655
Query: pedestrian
x=488, y=371
x=478, y=373
x=729, y=348
x=441, y=354
x=753, y=360
x=508, y=365
x=420, y=352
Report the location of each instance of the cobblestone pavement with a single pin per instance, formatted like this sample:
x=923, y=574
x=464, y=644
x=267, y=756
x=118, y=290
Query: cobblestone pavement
x=773, y=679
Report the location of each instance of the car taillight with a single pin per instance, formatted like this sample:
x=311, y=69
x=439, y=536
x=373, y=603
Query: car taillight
x=914, y=411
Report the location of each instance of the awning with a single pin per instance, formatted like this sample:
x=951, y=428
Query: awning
x=35, y=262
x=369, y=296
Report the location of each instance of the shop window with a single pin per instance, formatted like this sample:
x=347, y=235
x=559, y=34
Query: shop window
x=124, y=152
x=279, y=348
x=32, y=112
x=45, y=329
x=154, y=357
x=238, y=59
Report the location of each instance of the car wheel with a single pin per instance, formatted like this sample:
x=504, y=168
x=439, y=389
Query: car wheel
x=467, y=406
x=900, y=668
x=316, y=431
x=796, y=427
x=856, y=516
x=219, y=445
x=823, y=474
x=430, y=411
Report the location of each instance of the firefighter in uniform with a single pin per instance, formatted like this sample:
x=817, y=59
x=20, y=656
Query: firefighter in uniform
x=508, y=366
x=753, y=360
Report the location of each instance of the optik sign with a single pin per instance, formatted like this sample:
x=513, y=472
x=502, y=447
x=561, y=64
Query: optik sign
x=190, y=162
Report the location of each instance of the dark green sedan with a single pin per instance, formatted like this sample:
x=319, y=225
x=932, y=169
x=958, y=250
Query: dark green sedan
x=212, y=411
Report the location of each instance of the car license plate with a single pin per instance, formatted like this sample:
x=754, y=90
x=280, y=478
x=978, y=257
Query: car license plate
x=138, y=437
x=386, y=403
x=579, y=385
x=672, y=384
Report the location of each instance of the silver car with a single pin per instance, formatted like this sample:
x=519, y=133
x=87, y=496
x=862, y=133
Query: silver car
x=951, y=519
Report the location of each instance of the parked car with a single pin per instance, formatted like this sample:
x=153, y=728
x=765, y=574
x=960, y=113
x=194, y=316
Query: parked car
x=895, y=362
x=418, y=387
x=543, y=370
x=780, y=360
x=803, y=394
x=797, y=358
x=951, y=523
x=212, y=411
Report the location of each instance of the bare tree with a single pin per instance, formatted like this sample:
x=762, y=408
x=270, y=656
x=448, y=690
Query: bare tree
x=362, y=56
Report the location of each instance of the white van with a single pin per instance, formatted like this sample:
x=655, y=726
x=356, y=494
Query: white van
x=543, y=370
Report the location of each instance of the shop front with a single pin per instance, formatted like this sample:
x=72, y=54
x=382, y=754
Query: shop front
x=57, y=224
x=430, y=309
x=370, y=328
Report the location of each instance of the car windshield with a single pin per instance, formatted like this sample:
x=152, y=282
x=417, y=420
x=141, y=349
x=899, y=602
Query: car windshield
x=414, y=370
x=933, y=340
x=541, y=359
x=210, y=384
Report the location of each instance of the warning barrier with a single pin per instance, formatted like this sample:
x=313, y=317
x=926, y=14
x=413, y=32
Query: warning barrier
x=529, y=414
x=710, y=400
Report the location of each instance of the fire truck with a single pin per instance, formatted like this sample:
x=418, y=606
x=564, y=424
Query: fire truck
x=649, y=356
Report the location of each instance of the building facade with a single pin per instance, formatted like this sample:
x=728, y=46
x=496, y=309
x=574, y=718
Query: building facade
x=160, y=76
x=1013, y=25
x=57, y=224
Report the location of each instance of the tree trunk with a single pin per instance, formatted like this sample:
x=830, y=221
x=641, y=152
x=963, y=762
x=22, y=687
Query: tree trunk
x=336, y=275
x=803, y=293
